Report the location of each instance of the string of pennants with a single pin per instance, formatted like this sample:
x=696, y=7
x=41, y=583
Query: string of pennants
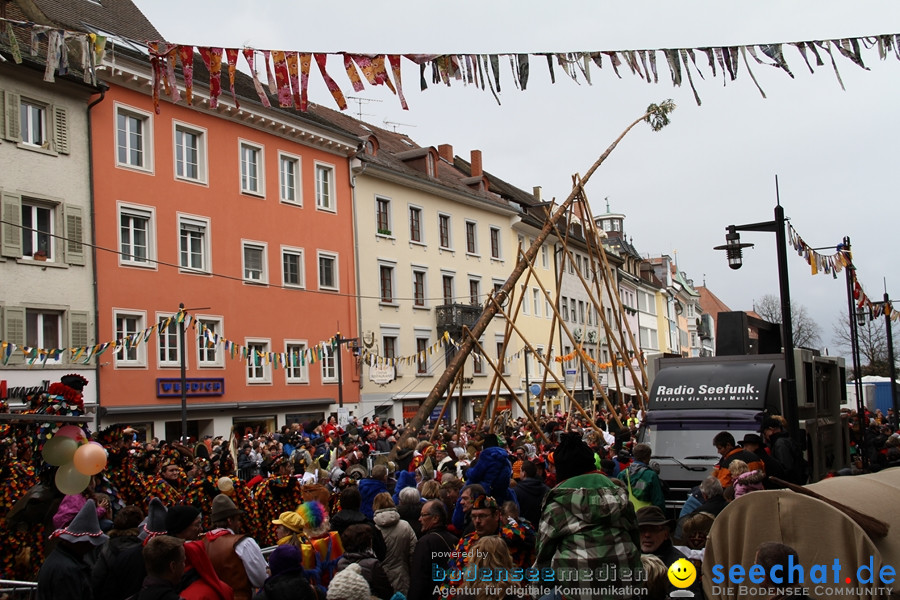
x=288, y=71
x=833, y=264
x=309, y=355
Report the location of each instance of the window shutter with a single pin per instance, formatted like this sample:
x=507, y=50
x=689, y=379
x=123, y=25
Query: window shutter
x=74, y=223
x=14, y=331
x=79, y=329
x=2, y=116
x=11, y=114
x=11, y=245
x=60, y=129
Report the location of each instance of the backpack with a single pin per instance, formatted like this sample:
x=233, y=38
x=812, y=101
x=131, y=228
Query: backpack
x=635, y=501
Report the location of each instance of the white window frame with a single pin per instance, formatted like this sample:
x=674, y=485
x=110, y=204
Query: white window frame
x=298, y=373
x=140, y=212
x=387, y=231
x=298, y=252
x=421, y=214
x=163, y=348
x=417, y=301
x=472, y=226
x=496, y=236
x=524, y=292
x=536, y=301
x=335, y=258
x=263, y=247
x=138, y=347
x=146, y=120
x=263, y=369
x=204, y=351
x=545, y=257
x=325, y=191
x=449, y=246
x=328, y=365
x=245, y=174
x=41, y=316
x=283, y=159
x=36, y=235
x=206, y=244
x=423, y=366
x=501, y=363
x=202, y=162
x=389, y=299
x=25, y=129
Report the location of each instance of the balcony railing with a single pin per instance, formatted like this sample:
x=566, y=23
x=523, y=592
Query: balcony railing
x=452, y=317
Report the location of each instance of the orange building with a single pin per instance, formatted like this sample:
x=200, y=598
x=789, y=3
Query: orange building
x=244, y=216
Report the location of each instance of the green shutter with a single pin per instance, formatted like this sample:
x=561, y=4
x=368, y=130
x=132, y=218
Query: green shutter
x=11, y=114
x=60, y=129
x=74, y=228
x=79, y=330
x=14, y=331
x=11, y=210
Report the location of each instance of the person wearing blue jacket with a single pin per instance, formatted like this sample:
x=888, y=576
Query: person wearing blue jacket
x=370, y=487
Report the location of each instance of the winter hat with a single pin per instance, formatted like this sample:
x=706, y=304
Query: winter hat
x=85, y=527
x=291, y=520
x=180, y=518
x=222, y=508
x=349, y=584
x=490, y=441
x=155, y=523
x=573, y=457
x=284, y=558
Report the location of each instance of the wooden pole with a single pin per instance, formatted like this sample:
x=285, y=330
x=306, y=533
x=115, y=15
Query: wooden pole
x=656, y=115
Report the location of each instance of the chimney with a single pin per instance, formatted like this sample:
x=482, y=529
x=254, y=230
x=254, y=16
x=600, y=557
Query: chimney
x=538, y=194
x=476, y=164
x=446, y=152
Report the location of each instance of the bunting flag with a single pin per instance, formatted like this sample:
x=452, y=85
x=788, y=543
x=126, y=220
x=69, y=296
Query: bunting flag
x=470, y=69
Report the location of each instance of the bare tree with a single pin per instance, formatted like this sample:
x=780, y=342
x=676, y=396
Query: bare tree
x=873, y=354
x=806, y=334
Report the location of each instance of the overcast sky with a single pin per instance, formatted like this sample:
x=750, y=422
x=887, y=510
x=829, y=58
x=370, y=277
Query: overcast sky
x=835, y=152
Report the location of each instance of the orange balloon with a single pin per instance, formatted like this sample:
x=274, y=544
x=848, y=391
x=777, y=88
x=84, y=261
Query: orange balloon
x=90, y=459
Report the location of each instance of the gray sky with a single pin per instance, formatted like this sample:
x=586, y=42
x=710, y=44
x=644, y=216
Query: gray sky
x=834, y=151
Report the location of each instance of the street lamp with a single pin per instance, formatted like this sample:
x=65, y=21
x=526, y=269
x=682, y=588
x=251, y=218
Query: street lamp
x=182, y=315
x=733, y=248
x=340, y=341
x=887, y=309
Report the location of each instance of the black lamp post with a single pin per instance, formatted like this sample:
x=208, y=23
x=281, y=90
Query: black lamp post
x=887, y=309
x=182, y=316
x=340, y=341
x=854, y=318
x=733, y=248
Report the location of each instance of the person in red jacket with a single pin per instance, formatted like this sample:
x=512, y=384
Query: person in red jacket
x=200, y=581
x=729, y=451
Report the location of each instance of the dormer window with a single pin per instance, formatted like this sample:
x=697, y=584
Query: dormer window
x=429, y=164
x=371, y=145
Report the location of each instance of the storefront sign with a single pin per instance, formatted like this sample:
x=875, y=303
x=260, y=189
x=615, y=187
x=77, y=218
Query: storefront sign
x=195, y=386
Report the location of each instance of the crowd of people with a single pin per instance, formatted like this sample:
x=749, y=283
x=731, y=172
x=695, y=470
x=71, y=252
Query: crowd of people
x=320, y=511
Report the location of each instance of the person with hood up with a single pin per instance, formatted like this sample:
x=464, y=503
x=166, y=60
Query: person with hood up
x=286, y=581
x=200, y=581
x=587, y=521
x=400, y=539
x=369, y=487
x=492, y=470
x=66, y=574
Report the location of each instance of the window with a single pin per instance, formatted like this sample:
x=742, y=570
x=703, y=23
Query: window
x=383, y=215
x=251, y=169
x=649, y=338
x=581, y=311
x=421, y=356
x=447, y=288
x=524, y=300
x=254, y=263
x=292, y=274
x=208, y=342
x=471, y=238
x=548, y=310
x=474, y=291
x=190, y=154
x=545, y=257
x=418, y=288
x=415, y=224
x=328, y=271
x=564, y=305
x=169, y=346
x=37, y=230
x=536, y=297
x=295, y=368
x=325, y=199
x=133, y=139
x=259, y=368
x=136, y=236
x=329, y=365
x=130, y=352
x=33, y=128
x=390, y=350
x=495, y=243
x=43, y=329
x=289, y=178
x=477, y=364
x=501, y=360
x=444, y=230
x=194, y=244
x=386, y=279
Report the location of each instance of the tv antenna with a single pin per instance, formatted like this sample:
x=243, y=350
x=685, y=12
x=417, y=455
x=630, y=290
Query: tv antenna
x=359, y=103
x=395, y=124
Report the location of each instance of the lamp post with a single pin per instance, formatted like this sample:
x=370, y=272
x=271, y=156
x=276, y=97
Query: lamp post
x=887, y=309
x=854, y=319
x=527, y=382
x=340, y=341
x=182, y=314
x=733, y=248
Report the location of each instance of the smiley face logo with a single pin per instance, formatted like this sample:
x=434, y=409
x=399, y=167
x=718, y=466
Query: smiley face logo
x=682, y=573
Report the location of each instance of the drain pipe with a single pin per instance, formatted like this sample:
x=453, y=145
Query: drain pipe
x=103, y=89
